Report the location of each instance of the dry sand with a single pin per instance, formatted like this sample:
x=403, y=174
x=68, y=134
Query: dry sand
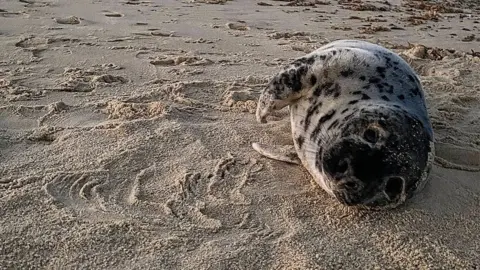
x=125, y=132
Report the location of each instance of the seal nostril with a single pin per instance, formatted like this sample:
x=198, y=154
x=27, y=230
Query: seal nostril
x=394, y=187
x=371, y=135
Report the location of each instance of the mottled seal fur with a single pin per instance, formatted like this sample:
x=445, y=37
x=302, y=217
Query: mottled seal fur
x=359, y=122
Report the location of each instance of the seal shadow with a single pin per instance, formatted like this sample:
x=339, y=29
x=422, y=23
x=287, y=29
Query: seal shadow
x=454, y=185
x=449, y=192
x=457, y=157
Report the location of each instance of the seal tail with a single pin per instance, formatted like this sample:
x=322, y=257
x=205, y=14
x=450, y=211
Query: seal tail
x=285, y=153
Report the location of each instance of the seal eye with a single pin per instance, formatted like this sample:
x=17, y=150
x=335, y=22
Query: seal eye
x=371, y=135
x=394, y=187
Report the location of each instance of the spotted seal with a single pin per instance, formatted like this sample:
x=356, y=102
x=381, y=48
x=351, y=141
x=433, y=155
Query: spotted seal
x=359, y=123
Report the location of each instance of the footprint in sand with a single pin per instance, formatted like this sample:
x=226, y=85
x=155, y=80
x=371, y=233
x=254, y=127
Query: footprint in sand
x=77, y=190
x=80, y=80
x=36, y=45
x=181, y=60
x=112, y=14
x=20, y=117
x=33, y=3
x=68, y=20
x=240, y=98
x=6, y=14
x=14, y=90
x=222, y=188
x=128, y=110
x=240, y=26
x=210, y=1
x=32, y=42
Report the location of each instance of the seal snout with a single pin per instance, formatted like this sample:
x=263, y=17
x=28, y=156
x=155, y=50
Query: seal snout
x=365, y=171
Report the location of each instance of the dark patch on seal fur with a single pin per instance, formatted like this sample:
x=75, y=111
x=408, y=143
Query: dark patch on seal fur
x=320, y=123
x=346, y=73
x=335, y=91
x=348, y=117
x=390, y=88
x=291, y=79
x=333, y=124
x=311, y=110
x=381, y=71
x=318, y=91
x=374, y=80
x=411, y=78
x=300, y=141
x=415, y=91
x=326, y=117
x=355, y=101
x=305, y=60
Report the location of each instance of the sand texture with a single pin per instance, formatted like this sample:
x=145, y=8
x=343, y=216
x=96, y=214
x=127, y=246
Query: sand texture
x=126, y=130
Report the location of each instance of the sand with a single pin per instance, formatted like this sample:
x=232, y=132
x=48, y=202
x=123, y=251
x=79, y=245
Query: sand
x=126, y=131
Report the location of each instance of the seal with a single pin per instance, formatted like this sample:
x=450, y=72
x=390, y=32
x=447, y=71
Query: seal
x=359, y=123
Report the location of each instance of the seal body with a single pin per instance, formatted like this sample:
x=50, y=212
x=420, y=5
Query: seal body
x=359, y=122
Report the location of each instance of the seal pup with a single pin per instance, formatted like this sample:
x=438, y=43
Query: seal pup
x=359, y=123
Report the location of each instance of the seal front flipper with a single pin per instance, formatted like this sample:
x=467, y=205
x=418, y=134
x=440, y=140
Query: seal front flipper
x=284, y=153
x=287, y=86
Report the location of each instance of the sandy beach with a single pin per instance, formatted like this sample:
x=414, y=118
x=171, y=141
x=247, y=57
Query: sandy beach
x=126, y=130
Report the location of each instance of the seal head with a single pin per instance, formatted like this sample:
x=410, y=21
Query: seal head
x=379, y=160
